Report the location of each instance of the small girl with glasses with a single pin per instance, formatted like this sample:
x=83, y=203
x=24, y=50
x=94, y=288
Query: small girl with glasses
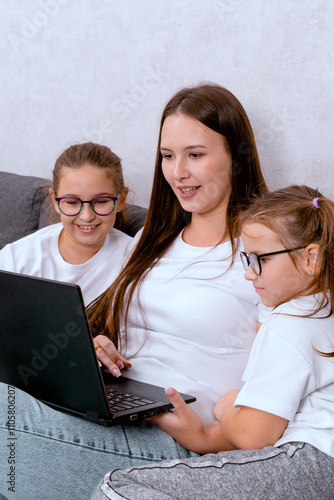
x=84, y=248
x=277, y=432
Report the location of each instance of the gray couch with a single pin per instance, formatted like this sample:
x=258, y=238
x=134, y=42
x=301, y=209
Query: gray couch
x=24, y=206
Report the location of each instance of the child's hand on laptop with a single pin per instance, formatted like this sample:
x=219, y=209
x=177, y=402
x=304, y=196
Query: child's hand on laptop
x=109, y=356
x=187, y=428
x=183, y=424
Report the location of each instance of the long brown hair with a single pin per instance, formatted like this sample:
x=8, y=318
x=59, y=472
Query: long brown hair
x=298, y=222
x=219, y=110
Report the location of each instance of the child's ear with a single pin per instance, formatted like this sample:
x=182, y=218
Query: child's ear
x=311, y=258
x=53, y=198
x=122, y=200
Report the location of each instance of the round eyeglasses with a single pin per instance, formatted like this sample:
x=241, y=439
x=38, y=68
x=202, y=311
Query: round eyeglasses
x=254, y=260
x=101, y=205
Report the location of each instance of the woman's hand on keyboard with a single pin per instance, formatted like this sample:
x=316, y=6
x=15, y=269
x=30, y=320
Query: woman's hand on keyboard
x=109, y=356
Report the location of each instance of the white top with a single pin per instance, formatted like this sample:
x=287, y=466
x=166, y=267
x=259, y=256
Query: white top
x=286, y=377
x=200, y=323
x=38, y=255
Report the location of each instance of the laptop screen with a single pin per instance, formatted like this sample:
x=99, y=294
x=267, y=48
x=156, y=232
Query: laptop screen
x=46, y=344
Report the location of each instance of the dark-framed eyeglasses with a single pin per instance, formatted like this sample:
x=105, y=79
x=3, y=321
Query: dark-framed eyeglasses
x=101, y=205
x=254, y=260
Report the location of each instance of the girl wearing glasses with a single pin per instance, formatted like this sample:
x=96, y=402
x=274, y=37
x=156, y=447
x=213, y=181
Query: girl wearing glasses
x=88, y=193
x=281, y=422
x=180, y=309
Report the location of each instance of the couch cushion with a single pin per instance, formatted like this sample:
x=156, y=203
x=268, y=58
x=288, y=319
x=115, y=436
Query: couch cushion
x=21, y=200
x=134, y=219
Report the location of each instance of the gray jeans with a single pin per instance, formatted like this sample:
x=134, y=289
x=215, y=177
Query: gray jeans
x=50, y=455
x=294, y=471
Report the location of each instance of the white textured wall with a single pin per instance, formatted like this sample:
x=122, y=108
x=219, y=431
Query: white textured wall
x=103, y=70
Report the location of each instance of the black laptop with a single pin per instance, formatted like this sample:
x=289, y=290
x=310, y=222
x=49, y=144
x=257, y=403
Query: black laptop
x=47, y=350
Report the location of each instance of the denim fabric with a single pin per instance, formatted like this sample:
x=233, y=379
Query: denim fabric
x=294, y=471
x=56, y=456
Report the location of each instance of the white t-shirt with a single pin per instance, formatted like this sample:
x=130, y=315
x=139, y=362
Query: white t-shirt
x=285, y=376
x=38, y=255
x=199, y=325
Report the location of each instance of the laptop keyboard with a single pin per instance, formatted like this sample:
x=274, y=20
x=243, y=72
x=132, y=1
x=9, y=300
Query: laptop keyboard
x=119, y=400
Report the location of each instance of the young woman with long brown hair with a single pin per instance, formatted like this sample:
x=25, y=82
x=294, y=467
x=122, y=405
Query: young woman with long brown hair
x=207, y=170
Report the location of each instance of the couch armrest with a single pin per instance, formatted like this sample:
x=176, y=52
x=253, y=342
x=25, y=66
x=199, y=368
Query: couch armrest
x=21, y=200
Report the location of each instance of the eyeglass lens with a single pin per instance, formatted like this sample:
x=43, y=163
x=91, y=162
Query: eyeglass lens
x=101, y=206
x=251, y=260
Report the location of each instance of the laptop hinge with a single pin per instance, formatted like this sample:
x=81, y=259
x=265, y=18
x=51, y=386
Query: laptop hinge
x=92, y=414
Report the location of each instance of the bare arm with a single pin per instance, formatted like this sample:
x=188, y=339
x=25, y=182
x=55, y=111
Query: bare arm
x=187, y=428
x=247, y=428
